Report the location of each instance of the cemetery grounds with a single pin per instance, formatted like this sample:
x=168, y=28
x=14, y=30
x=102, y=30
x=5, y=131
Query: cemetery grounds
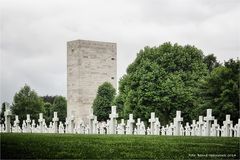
x=78, y=146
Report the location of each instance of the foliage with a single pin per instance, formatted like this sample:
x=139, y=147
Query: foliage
x=118, y=101
x=75, y=146
x=211, y=62
x=103, y=101
x=26, y=101
x=221, y=91
x=47, y=112
x=48, y=99
x=162, y=80
x=60, y=106
x=2, y=117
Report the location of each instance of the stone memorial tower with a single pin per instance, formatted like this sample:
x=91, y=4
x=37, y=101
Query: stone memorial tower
x=89, y=64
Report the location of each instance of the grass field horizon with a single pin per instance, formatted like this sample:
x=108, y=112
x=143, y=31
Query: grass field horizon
x=68, y=146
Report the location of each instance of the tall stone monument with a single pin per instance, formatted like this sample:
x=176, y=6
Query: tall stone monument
x=89, y=64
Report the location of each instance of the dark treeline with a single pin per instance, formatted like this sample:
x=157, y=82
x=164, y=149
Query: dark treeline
x=27, y=101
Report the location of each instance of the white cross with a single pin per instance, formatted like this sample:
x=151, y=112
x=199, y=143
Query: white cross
x=72, y=125
x=177, y=123
x=193, y=125
x=41, y=120
x=138, y=125
x=152, y=121
x=33, y=123
x=28, y=118
x=16, y=120
x=227, y=124
x=157, y=127
x=237, y=128
x=122, y=122
x=208, y=120
x=95, y=122
x=7, y=115
x=231, y=130
x=214, y=128
x=91, y=118
x=142, y=128
x=67, y=125
x=131, y=121
x=227, y=121
x=7, y=107
x=33, y=126
x=163, y=131
x=40, y=117
x=209, y=116
x=114, y=113
x=28, y=123
x=200, y=125
x=188, y=129
x=107, y=126
x=215, y=124
x=55, y=122
x=16, y=123
x=113, y=117
x=55, y=117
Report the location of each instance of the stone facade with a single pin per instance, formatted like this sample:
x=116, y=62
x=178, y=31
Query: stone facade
x=89, y=64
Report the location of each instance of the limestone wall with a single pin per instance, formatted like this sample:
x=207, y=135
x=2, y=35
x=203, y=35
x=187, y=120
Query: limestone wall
x=89, y=64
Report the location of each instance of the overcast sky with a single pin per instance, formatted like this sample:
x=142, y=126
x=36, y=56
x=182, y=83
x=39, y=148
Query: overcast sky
x=34, y=34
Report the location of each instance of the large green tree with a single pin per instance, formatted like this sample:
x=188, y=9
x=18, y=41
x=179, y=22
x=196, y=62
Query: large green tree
x=60, y=106
x=162, y=80
x=103, y=101
x=26, y=101
x=221, y=91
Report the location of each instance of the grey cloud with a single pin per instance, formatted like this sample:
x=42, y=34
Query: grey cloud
x=34, y=34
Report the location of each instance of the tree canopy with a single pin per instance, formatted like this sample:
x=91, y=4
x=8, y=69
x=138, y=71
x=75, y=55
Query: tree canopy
x=221, y=91
x=211, y=62
x=162, y=80
x=103, y=101
x=26, y=101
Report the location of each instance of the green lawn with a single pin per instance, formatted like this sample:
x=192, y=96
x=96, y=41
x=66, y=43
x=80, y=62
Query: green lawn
x=51, y=146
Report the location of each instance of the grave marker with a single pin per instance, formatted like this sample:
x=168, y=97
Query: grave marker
x=138, y=125
x=227, y=124
x=8, y=114
x=91, y=118
x=41, y=120
x=16, y=123
x=113, y=116
x=152, y=121
x=177, y=123
x=194, y=126
x=200, y=125
x=28, y=121
x=131, y=121
x=55, y=122
x=157, y=127
x=208, y=120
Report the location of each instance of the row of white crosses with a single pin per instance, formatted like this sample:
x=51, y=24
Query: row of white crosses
x=205, y=126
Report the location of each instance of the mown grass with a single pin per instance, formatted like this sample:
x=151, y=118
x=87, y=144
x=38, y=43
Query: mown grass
x=69, y=146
